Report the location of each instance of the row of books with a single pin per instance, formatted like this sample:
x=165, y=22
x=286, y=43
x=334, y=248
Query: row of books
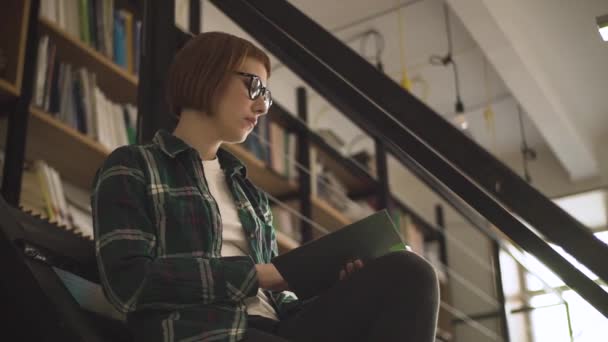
x=276, y=147
x=272, y=144
x=45, y=193
x=114, y=32
x=71, y=95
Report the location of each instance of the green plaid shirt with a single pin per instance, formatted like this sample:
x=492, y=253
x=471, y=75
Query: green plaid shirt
x=158, y=236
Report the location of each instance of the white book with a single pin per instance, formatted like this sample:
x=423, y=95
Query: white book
x=77, y=196
x=93, y=101
x=63, y=207
x=48, y=10
x=101, y=115
x=98, y=113
x=43, y=12
x=116, y=124
x=83, y=220
x=41, y=67
x=54, y=196
x=72, y=18
x=61, y=14
x=108, y=18
x=86, y=95
x=46, y=184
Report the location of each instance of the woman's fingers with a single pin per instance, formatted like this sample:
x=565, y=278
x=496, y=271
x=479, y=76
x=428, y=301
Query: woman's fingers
x=350, y=268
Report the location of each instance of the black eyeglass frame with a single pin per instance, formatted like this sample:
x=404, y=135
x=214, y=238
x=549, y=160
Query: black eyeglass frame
x=263, y=91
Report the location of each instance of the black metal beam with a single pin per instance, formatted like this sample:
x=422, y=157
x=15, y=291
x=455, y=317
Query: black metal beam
x=16, y=135
x=440, y=222
x=159, y=43
x=194, y=24
x=339, y=90
x=303, y=158
x=383, y=192
x=500, y=294
x=442, y=138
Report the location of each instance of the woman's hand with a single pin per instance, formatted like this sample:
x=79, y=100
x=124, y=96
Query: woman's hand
x=350, y=268
x=269, y=278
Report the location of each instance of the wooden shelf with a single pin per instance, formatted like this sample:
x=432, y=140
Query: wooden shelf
x=75, y=155
x=327, y=216
x=113, y=80
x=7, y=91
x=14, y=20
x=261, y=175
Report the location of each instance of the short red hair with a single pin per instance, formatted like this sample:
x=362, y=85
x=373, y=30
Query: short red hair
x=199, y=69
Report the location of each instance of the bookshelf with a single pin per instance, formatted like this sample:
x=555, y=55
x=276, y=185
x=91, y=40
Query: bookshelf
x=116, y=82
x=75, y=155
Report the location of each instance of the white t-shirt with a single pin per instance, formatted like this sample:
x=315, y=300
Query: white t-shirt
x=234, y=241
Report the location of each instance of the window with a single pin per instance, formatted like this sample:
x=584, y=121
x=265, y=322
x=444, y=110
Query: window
x=537, y=313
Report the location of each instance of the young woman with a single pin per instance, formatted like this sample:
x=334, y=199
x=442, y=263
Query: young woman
x=184, y=240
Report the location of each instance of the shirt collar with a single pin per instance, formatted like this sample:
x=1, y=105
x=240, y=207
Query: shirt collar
x=172, y=146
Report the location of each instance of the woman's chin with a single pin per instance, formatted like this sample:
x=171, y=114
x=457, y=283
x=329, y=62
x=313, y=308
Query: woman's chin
x=236, y=139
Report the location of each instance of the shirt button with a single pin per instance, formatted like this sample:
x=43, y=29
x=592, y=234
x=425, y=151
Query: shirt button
x=252, y=236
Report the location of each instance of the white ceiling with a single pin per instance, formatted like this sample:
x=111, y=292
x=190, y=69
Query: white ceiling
x=559, y=36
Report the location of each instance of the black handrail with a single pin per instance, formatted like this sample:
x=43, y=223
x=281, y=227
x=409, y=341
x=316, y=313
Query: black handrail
x=443, y=157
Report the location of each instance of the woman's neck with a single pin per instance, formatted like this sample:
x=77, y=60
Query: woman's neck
x=195, y=129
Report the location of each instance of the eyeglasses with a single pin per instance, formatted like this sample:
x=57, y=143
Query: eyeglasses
x=256, y=89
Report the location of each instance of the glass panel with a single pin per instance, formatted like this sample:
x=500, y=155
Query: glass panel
x=550, y=324
x=587, y=323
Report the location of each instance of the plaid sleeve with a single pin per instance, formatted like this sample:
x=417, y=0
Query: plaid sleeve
x=285, y=301
x=132, y=275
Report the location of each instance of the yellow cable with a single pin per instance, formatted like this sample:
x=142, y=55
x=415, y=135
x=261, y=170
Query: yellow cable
x=488, y=113
x=405, y=80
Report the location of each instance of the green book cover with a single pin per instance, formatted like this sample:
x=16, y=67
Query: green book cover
x=83, y=13
x=315, y=266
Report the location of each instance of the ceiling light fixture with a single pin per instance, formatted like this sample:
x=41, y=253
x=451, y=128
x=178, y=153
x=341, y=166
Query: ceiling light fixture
x=602, y=26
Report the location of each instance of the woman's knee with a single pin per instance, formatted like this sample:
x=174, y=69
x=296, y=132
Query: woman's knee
x=408, y=268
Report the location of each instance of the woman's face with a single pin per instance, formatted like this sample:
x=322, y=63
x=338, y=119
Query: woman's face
x=236, y=114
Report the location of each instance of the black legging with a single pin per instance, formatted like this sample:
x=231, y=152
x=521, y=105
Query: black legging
x=393, y=298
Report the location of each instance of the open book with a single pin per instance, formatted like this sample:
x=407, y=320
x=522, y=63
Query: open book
x=315, y=266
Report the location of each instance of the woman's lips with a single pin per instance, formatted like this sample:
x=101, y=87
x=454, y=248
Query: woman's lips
x=252, y=121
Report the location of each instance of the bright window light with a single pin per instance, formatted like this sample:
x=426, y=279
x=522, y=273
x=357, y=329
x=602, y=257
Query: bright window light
x=604, y=33
x=602, y=26
x=589, y=208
